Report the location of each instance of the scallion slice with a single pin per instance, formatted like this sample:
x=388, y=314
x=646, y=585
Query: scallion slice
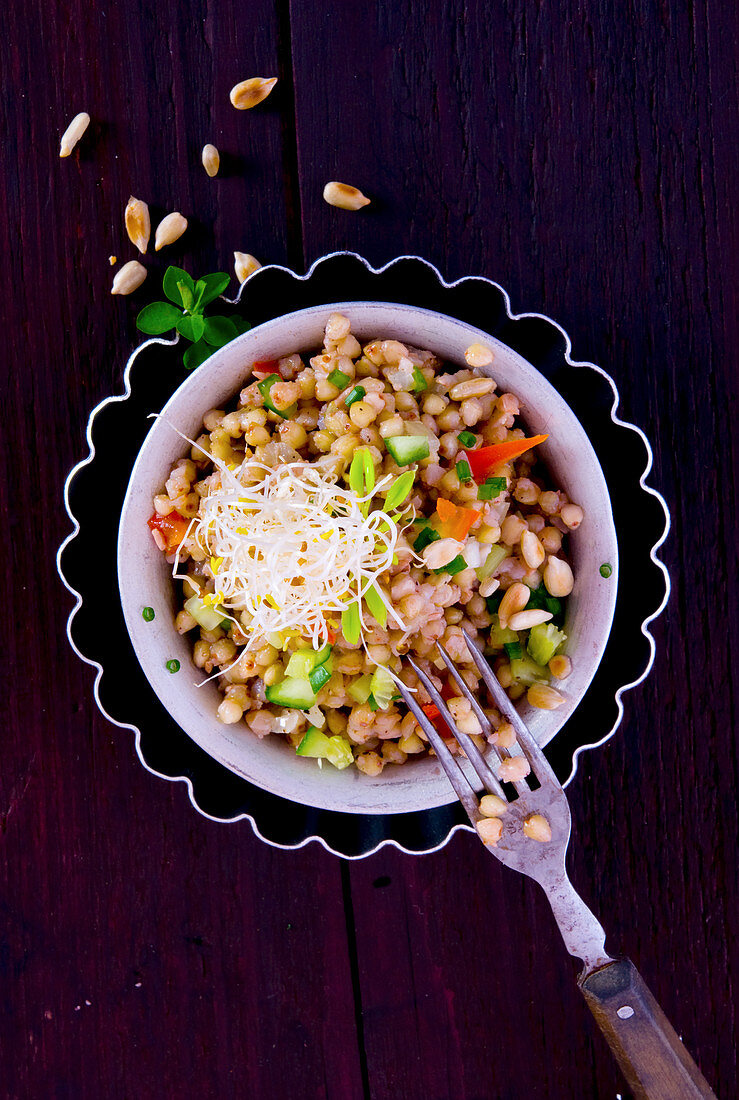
x=454, y=566
x=426, y=537
x=339, y=379
x=464, y=473
x=492, y=488
x=355, y=394
x=467, y=439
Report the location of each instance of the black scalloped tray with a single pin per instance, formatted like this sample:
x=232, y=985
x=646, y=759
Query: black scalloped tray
x=87, y=558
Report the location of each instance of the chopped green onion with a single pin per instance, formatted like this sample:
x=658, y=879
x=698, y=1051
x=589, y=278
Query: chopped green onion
x=225, y=624
x=147, y=614
x=173, y=665
x=427, y=536
x=464, y=473
x=467, y=439
x=605, y=571
x=318, y=677
x=492, y=488
x=419, y=382
x=372, y=703
x=399, y=490
x=513, y=649
x=454, y=566
x=350, y=624
x=354, y=395
x=265, y=387
x=376, y=604
x=339, y=379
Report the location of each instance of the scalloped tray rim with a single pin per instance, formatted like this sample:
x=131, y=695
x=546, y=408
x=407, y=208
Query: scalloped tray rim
x=646, y=622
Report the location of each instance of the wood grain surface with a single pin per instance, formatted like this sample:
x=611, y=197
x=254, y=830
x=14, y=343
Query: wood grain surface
x=583, y=154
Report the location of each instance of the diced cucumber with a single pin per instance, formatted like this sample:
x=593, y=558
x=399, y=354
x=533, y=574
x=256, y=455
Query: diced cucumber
x=501, y=635
x=383, y=688
x=407, y=448
x=318, y=677
x=295, y=692
x=304, y=661
x=526, y=671
x=360, y=689
x=491, y=563
x=544, y=641
x=207, y=617
x=337, y=749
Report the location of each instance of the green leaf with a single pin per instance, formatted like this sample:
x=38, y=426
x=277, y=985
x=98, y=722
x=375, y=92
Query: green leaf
x=350, y=624
x=219, y=331
x=191, y=327
x=188, y=299
x=173, y=276
x=158, y=317
x=209, y=287
x=399, y=490
x=241, y=325
x=196, y=355
x=376, y=605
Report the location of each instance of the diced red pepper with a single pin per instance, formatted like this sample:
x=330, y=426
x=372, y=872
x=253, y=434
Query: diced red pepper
x=485, y=460
x=172, y=528
x=264, y=367
x=455, y=521
x=433, y=714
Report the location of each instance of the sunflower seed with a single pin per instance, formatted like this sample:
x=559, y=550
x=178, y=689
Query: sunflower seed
x=138, y=223
x=169, y=230
x=73, y=133
x=129, y=278
x=344, y=196
x=252, y=91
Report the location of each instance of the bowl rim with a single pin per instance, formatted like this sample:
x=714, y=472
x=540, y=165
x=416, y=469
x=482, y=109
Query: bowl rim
x=645, y=623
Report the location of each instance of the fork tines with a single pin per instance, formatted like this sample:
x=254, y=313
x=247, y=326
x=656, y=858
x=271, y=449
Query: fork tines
x=488, y=778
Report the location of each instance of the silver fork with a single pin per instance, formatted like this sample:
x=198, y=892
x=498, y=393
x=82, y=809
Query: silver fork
x=651, y=1056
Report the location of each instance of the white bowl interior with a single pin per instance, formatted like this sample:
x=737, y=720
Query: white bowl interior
x=144, y=577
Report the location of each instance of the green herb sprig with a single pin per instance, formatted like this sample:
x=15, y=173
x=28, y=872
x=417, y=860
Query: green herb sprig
x=185, y=312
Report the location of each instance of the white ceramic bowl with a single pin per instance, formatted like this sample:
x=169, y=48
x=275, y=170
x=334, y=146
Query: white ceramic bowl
x=145, y=579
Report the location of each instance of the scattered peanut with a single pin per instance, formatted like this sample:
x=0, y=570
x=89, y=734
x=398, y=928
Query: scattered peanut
x=138, y=223
x=536, y=827
x=492, y=805
x=532, y=550
x=513, y=768
x=478, y=355
x=128, y=278
x=473, y=387
x=490, y=830
x=344, y=196
x=524, y=620
x=514, y=600
x=73, y=133
x=560, y=667
x=544, y=697
x=245, y=265
x=440, y=553
x=558, y=578
x=169, y=230
x=572, y=516
x=251, y=92
x=211, y=159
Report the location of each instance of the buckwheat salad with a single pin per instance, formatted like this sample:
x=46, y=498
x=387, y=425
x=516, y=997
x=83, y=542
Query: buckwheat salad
x=352, y=507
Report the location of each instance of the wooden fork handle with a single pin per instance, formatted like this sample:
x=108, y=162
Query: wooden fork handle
x=652, y=1059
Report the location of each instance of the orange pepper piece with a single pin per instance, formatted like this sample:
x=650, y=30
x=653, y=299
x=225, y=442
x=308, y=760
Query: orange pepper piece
x=484, y=461
x=456, y=521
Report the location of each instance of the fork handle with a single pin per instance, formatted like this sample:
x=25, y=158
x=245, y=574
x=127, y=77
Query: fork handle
x=652, y=1059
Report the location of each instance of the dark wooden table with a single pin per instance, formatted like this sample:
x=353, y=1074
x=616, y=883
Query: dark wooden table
x=582, y=154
